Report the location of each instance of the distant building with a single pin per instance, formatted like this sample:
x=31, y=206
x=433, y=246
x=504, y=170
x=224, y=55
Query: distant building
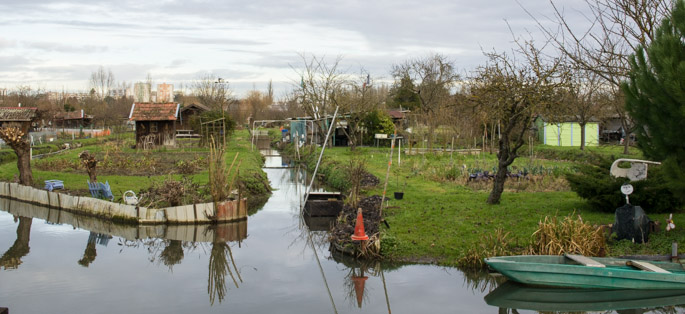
x=566, y=133
x=118, y=93
x=72, y=120
x=142, y=92
x=155, y=124
x=165, y=93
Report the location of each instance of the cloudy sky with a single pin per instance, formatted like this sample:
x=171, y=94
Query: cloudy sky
x=57, y=44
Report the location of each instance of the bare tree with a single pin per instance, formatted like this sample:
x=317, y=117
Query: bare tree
x=615, y=29
x=257, y=103
x=512, y=92
x=585, y=99
x=319, y=80
x=433, y=77
x=213, y=92
x=101, y=81
x=356, y=99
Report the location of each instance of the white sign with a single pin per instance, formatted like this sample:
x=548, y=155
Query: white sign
x=381, y=135
x=626, y=189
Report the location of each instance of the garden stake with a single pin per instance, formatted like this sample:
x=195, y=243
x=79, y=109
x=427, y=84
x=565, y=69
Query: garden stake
x=387, y=174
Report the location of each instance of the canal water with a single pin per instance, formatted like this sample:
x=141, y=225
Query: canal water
x=55, y=262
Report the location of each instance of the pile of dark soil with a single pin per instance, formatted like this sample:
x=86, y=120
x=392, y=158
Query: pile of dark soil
x=344, y=226
x=369, y=180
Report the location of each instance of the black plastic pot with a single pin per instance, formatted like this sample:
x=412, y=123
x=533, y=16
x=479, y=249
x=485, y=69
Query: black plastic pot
x=399, y=195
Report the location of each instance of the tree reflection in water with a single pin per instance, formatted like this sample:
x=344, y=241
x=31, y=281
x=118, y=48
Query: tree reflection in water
x=172, y=253
x=90, y=253
x=12, y=258
x=218, y=268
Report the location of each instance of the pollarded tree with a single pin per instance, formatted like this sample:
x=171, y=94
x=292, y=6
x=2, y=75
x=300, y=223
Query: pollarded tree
x=655, y=96
x=513, y=93
x=18, y=141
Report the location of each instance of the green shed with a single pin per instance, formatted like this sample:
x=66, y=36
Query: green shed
x=566, y=133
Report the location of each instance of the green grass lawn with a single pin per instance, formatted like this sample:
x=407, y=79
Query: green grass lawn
x=443, y=215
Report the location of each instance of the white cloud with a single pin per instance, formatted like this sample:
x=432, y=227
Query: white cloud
x=244, y=41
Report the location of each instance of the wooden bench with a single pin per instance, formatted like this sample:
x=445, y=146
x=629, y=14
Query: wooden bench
x=647, y=266
x=586, y=261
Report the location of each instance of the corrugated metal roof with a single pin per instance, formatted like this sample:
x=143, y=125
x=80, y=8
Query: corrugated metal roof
x=154, y=112
x=17, y=113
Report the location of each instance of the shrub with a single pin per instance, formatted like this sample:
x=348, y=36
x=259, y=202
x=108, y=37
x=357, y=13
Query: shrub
x=602, y=191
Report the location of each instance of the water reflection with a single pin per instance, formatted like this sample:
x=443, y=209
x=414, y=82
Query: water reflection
x=165, y=243
x=12, y=257
x=511, y=297
x=90, y=253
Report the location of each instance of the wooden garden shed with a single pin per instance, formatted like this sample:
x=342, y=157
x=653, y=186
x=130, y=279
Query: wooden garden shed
x=187, y=113
x=72, y=120
x=566, y=133
x=19, y=117
x=155, y=124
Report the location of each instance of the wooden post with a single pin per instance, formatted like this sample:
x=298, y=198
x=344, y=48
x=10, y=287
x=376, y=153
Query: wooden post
x=674, y=252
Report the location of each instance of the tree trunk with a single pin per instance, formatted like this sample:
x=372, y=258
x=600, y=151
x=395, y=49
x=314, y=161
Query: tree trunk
x=498, y=184
x=582, y=136
x=24, y=165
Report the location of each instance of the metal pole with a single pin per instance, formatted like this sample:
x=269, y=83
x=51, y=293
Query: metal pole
x=323, y=148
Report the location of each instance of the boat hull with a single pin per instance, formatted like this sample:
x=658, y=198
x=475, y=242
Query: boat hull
x=515, y=296
x=558, y=271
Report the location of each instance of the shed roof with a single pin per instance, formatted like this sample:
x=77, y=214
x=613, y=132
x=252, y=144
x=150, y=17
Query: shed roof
x=154, y=112
x=197, y=106
x=18, y=113
x=73, y=115
x=397, y=113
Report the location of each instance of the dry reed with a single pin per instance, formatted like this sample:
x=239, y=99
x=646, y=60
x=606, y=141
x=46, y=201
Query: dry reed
x=568, y=235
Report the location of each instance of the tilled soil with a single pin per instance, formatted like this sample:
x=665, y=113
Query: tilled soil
x=369, y=180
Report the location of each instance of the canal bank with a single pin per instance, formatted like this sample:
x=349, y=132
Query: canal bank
x=280, y=265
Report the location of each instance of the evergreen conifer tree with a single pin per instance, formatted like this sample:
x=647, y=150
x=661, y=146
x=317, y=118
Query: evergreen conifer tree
x=655, y=97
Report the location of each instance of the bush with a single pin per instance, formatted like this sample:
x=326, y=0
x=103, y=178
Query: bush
x=602, y=191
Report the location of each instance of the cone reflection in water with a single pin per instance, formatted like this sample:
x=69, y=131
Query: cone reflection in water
x=359, y=282
x=359, y=233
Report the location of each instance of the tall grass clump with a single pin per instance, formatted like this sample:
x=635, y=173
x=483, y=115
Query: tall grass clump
x=568, y=235
x=220, y=185
x=495, y=244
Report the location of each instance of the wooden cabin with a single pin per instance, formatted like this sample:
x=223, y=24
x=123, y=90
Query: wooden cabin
x=155, y=124
x=567, y=132
x=72, y=120
x=187, y=113
x=20, y=117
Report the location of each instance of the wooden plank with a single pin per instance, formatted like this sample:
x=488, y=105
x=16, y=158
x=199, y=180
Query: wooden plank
x=647, y=266
x=584, y=260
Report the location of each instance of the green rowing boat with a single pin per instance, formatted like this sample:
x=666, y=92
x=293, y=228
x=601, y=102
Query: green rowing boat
x=583, y=272
x=513, y=295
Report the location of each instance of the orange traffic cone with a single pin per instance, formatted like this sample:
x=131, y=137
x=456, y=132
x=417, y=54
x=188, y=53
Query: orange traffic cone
x=359, y=233
x=359, y=288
